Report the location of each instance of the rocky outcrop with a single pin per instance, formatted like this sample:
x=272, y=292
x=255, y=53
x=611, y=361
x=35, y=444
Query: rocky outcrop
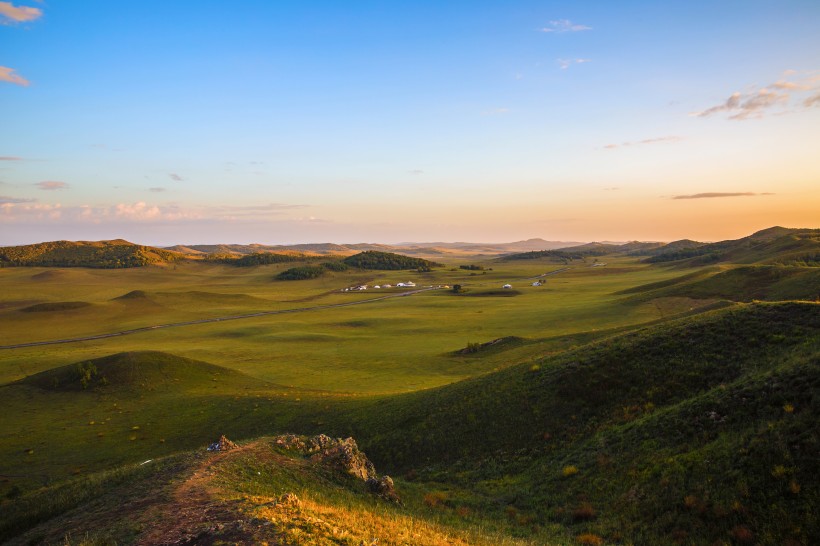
x=341, y=455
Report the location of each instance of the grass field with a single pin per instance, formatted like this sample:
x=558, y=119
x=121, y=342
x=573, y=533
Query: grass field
x=373, y=370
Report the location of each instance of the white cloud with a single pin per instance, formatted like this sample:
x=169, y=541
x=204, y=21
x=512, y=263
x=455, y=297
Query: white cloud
x=9, y=75
x=23, y=211
x=563, y=25
x=566, y=63
x=776, y=97
x=18, y=14
x=175, y=177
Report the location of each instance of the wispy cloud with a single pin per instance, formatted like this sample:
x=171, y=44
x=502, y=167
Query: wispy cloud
x=175, y=177
x=814, y=100
x=235, y=212
x=720, y=194
x=14, y=210
x=156, y=190
x=655, y=140
x=10, y=158
x=18, y=14
x=496, y=112
x=4, y=199
x=9, y=75
x=415, y=172
x=563, y=25
x=775, y=97
x=566, y=63
x=52, y=185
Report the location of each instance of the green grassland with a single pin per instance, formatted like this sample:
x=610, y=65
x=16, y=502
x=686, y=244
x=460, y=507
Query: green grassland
x=631, y=373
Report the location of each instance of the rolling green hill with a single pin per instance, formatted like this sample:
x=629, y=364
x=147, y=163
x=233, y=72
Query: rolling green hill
x=97, y=254
x=702, y=429
x=776, y=245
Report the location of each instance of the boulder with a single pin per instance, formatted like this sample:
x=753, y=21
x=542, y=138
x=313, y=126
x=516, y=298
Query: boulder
x=223, y=444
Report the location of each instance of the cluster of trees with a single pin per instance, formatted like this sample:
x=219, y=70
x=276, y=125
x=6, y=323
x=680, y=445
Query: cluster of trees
x=472, y=267
x=564, y=255
x=257, y=258
x=101, y=255
x=335, y=266
x=387, y=261
x=301, y=273
x=681, y=254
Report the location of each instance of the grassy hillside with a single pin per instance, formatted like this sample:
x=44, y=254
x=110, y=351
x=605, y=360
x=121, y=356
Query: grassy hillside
x=699, y=430
x=256, y=493
x=100, y=254
x=775, y=245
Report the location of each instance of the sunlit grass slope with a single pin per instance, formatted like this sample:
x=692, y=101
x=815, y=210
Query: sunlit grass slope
x=256, y=494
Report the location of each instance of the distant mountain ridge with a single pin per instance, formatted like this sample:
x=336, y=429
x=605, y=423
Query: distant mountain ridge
x=775, y=245
x=353, y=248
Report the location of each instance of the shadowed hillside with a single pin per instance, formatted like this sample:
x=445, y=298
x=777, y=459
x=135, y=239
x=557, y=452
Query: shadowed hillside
x=699, y=428
x=746, y=283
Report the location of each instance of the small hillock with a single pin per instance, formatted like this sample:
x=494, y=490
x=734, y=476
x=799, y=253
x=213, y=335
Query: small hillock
x=95, y=254
x=55, y=306
x=135, y=370
x=387, y=261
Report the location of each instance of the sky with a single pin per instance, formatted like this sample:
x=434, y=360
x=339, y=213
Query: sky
x=378, y=121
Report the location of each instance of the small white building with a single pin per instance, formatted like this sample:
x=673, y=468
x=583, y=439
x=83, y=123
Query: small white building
x=507, y=286
x=536, y=283
x=387, y=286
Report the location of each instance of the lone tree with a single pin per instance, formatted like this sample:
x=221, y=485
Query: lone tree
x=456, y=288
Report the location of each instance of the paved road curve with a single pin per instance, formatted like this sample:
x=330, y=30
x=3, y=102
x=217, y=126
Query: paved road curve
x=205, y=321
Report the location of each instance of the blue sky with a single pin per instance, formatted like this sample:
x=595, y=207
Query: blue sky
x=284, y=122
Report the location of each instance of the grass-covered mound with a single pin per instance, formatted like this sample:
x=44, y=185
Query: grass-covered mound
x=96, y=254
x=387, y=261
x=698, y=431
x=139, y=370
x=55, y=306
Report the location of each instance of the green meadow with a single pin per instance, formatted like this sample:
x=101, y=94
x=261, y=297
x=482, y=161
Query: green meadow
x=485, y=403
